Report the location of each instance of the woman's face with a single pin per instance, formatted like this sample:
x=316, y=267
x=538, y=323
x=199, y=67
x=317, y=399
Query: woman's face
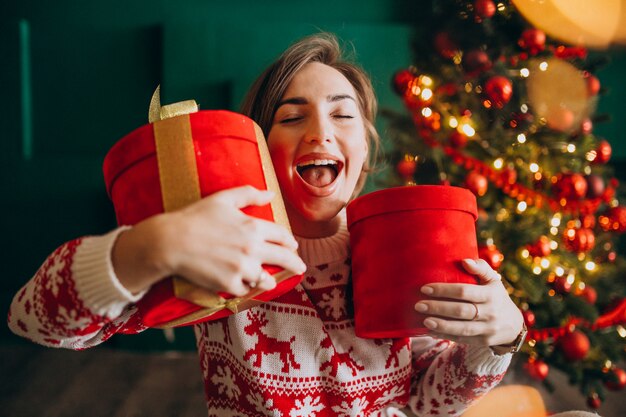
x=318, y=146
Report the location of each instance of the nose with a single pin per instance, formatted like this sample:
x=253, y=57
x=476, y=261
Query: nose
x=319, y=129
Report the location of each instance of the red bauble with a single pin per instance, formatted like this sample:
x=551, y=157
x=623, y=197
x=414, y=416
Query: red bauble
x=445, y=46
x=603, y=152
x=589, y=294
x=458, y=139
x=574, y=345
x=529, y=318
x=537, y=369
x=595, y=186
x=588, y=221
x=579, y=240
x=476, y=61
x=402, y=80
x=431, y=123
x=476, y=183
x=499, y=90
x=406, y=168
x=533, y=40
x=614, y=219
x=571, y=186
x=491, y=255
x=593, y=85
x=617, y=379
x=484, y=8
x=562, y=285
x=540, y=248
x=594, y=401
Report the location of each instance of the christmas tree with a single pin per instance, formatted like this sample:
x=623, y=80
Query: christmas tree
x=497, y=106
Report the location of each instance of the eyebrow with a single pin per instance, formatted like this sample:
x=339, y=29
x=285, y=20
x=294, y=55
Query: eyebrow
x=301, y=100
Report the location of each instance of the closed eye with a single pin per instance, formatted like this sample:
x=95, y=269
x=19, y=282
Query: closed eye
x=343, y=116
x=290, y=119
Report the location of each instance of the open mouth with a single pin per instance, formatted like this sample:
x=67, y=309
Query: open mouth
x=319, y=172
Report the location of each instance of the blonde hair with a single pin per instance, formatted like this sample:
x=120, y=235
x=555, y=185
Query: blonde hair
x=262, y=99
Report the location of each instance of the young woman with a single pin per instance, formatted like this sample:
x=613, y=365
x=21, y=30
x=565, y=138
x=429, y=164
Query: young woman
x=296, y=355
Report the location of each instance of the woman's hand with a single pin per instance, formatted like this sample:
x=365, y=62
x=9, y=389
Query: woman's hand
x=211, y=243
x=473, y=314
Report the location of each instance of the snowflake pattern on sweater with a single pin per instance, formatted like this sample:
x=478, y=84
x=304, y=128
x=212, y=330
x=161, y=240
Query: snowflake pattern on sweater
x=294, y=356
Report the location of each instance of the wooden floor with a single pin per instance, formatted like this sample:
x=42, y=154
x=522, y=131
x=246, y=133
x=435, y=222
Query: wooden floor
x=43, y=382
x=38, y=382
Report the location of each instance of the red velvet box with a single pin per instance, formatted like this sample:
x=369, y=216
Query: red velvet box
x=168, y=164
x=403, y=238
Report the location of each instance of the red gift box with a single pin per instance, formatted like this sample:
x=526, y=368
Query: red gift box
x=403, y=238
x=168, y=164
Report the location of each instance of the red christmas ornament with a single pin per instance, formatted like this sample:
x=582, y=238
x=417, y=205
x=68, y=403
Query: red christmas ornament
x=533, y=40
x=595, y=186
x=617, y=379
x=484, y=8
x=562, y=285
x=614, y=219
x=574, y=345
x=499, y=90
x=476, y=183
x=491, y=255
x=537, y=369
x=540, y=248
x=406, y=167
x=588, y=221
x=586, y=126
x=594, y=401
x=593, y=85
x=603, y=152
x=431, y=123
x=458, y=139
x=579, y=240
x=589, y=294
x=445, y=46
x=570, y=186
x=402, y=81
x=476, y=61
x=529, y=318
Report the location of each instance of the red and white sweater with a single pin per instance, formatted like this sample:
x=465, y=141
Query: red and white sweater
x=294, y=356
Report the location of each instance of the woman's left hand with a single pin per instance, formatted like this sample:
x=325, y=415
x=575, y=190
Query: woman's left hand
x=482, y=314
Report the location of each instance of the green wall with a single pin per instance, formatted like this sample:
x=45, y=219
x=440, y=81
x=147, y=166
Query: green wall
x=77, y=76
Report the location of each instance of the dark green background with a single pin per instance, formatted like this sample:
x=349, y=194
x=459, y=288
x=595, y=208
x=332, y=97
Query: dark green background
x=75, y=77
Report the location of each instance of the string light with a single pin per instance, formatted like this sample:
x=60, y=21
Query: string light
x=521, y=138
x=590, y=266
x=591, y=156
x=427, y=112
x=621, y=331
x=571, y=148
x=554, y=245
x=524, y=72
x=554, y=230
x=537, y=270
x=533, y=167
x=545, y=263
x=426, y=80
x=427, y=94
x=559, y=270
x=556, y=220
x=525, y=253
x=543, y=66
x=524, y=108
x=498, y=163
x=522, y=206
x=453, y=122
x=468, y=130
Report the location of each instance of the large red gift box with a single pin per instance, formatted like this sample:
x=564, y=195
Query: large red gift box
x=168, y=164
x=401, y=239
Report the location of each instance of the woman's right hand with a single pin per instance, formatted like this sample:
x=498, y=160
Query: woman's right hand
x=211, y=243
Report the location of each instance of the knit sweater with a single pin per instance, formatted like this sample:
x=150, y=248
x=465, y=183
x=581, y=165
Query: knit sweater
x=296, y=355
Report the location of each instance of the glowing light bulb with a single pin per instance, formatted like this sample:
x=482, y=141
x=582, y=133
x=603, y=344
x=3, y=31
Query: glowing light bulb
x=468, y=130
x=427, y=94
x=524, y=108
x=543, y=66
x=590, y=266
x=571, y=148
x=524, y=72
x=525, y=253
x=426, y=80
x=621, y=331
x=537, y=270
x=554, y=231
x=521, y=138
x=559, y=270
x=554, y=245
x=427, y=112
x=453, y=122
x=533, y=167
x=522, y=206
x=498, y=163
x=545, y=263
x=555, y=221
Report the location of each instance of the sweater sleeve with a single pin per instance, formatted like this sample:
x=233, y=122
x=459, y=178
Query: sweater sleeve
x=75, y=300
x=448, y=377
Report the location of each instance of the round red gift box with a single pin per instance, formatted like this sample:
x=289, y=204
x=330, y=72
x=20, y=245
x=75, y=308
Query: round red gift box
x=230, y=151
x=401, y=239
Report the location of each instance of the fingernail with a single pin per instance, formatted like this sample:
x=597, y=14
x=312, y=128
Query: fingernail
x=470, y=262
x=427, y=290
x=421, y=307
x=269, y=193
x=431, y=324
